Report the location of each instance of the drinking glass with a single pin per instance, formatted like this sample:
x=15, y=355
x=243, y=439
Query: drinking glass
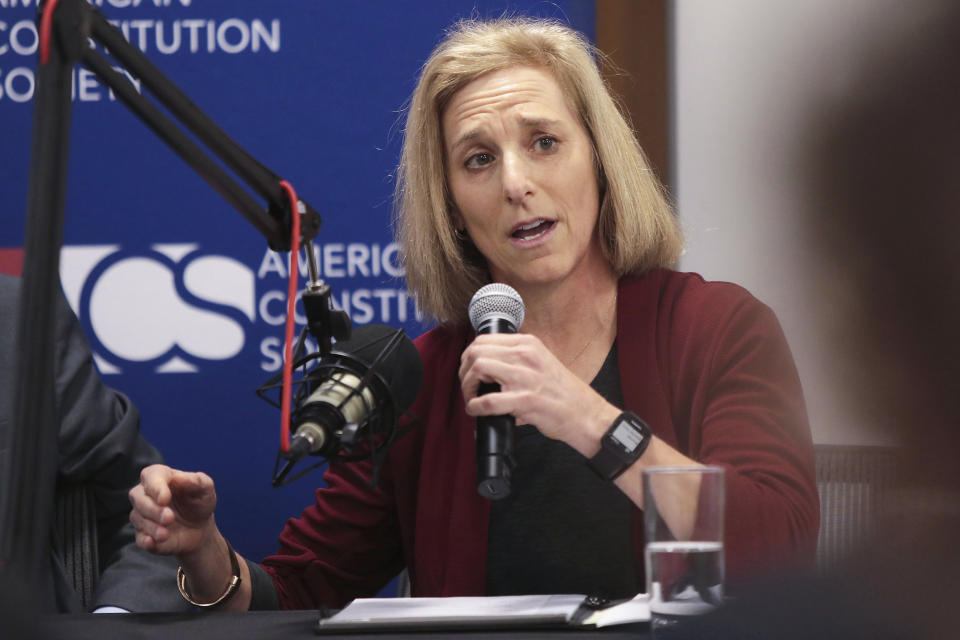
x=683, y=518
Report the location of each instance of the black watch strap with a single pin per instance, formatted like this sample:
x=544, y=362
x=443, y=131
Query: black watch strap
x=624, y=442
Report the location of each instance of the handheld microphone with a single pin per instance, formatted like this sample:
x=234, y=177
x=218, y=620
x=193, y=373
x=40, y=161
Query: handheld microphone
x=359, y=390
x=495, y=308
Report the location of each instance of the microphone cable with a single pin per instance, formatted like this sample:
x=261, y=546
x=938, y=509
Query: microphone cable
x=291, y=307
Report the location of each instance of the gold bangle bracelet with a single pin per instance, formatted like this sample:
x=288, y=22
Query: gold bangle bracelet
x=229, y=591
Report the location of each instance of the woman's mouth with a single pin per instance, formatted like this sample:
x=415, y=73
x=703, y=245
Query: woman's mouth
x=533, y=230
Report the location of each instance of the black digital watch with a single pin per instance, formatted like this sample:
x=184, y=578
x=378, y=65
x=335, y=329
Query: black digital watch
x=624, y=442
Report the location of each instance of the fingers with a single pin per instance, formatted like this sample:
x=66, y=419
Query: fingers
x=191, y=483
x=151, y=498
x=511, y=378
x=500, y=346
x=151, y=515
x=194, y=497
x=148, y=508
x=161, y=483
x=145, y=542
x=155, y=481
x=149, y=532
x=502, y=403
x=484, y=360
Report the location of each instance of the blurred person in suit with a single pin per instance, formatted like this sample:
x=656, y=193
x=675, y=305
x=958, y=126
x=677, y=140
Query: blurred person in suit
x=101, y=448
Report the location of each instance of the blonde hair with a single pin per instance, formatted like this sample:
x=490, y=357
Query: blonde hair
x=637, y=228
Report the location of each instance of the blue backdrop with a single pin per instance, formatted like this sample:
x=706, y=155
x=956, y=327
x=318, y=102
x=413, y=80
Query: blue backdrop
x=180, y=297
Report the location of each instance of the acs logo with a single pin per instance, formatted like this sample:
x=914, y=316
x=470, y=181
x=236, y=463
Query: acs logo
x=169, y=308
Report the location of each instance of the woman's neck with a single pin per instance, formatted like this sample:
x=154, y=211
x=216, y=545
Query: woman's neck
x=576, y=320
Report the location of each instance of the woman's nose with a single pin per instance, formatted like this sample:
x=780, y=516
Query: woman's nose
x=517, y=184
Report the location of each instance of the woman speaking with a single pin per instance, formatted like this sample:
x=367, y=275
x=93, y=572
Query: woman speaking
x=519, y=168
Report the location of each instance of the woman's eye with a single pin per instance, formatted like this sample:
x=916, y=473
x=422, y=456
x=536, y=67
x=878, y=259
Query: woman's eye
x=546, y=143
x=479, y=160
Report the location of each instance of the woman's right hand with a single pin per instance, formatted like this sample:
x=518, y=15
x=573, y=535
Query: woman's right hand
x=173, y=511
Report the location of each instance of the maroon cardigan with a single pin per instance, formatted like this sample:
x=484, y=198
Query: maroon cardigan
x=705, y=364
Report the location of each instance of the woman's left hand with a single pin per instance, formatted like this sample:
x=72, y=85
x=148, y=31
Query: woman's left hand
x=536, y=388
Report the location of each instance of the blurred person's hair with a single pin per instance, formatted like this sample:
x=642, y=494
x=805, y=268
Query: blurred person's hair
x=885, y=211
x=637, y=229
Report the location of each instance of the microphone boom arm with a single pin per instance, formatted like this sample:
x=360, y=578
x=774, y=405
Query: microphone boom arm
x=66, y=28
x=274, y=223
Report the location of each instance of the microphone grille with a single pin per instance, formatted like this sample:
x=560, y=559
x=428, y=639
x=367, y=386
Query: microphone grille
x=496, y=300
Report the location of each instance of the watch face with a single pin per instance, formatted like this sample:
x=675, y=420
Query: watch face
x=627, y=436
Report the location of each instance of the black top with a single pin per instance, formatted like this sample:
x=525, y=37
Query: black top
x=562, y=529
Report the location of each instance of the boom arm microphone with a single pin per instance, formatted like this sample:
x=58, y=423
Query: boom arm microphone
x=495, y=308
x=357, y=392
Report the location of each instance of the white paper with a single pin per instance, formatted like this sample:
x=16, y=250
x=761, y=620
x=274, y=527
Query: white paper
x=464, y=609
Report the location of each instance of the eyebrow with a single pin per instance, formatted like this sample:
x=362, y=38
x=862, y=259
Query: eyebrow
x=526, y=123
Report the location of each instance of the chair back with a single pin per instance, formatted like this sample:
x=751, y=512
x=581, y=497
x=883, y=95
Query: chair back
x=854, y=483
